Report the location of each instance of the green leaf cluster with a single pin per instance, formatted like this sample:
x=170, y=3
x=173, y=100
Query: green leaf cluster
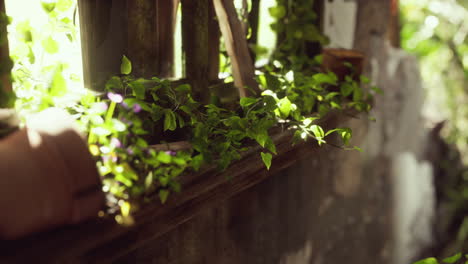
x=449, y=260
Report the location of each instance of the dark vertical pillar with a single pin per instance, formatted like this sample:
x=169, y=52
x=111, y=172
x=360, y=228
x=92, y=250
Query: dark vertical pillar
x=142, y=36
x=254, y=22
x=5, y=61
x=394, y=24
x=103, y=31
x=200, y=39
x=166, y=17
x=143, y=30
x=214, y=34
x=314, y=48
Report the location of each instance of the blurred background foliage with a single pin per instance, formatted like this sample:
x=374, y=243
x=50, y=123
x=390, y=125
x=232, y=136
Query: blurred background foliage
x=436, y=32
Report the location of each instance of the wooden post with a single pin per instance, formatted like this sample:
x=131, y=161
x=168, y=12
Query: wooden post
x=254, y=23
x=5, y=61
x=214, y=34
x=243, y=68
x=393, y=31
x=315, y=48
x=200, y=39
x=103, y=33
x=166, y=21
x=142, y=38
x=143, y=30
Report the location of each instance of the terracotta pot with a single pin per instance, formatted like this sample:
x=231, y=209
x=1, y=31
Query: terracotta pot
x=334, y=60
x=47, y=177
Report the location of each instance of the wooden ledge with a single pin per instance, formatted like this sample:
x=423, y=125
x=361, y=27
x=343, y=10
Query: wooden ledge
x=104, y=241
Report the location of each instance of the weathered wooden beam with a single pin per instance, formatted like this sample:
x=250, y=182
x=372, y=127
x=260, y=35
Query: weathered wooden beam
x=103, y=241
x=243, y=69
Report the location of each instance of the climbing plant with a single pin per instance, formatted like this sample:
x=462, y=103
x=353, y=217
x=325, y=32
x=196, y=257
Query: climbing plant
x=449, y=260
x=126, y=124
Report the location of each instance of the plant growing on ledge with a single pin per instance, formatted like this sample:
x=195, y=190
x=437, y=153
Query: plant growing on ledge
x=134, y=128
x=121, y=127
x=452, y=259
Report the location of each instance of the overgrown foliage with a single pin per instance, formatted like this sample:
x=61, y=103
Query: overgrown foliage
x=121, y=126
x=457, y=258
x=134, y=114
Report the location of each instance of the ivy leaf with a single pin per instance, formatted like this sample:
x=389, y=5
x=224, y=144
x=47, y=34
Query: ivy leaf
x=285, y=107
x=164, y=180
x=125, y=66
x=266, y=158
x=364, y=79
x=149, y=180
x=184, y=88
x=261, y=137
x=138, y=89
x=163, y=194
x=322, y=78
x=114, y=83
x=246, y=101
x=345, y=133
x=48, y=5
x=270, y=145
x=318, y=131
x=377, y=90
x=331, y=95
x=277, y=12
x=357, y=93
x=169, y=120
x=58, y=86
x=163, y=157
x=197, y=161
x=427, y=261
x=308, y=121
x=453, y=258
x=50, y=45
x=125, y=209
x=31, y=56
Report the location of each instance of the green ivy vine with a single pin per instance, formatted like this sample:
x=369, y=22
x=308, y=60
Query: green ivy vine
x=122, y=124
x=449, y=260
x=134, y=114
